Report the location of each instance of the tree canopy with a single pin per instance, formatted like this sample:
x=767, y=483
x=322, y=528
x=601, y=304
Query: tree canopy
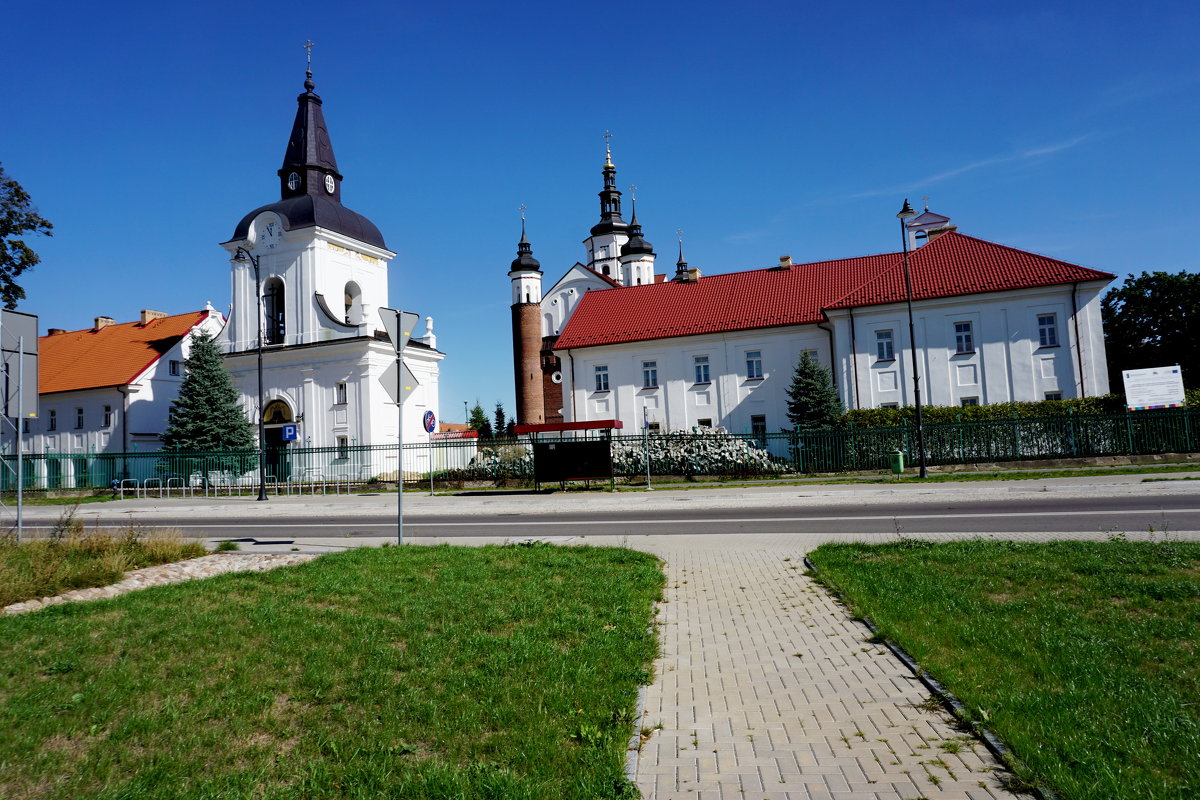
x=17, y=217
x=478, y=420
x=1153, y=320
x=207, y=416
x=812, y=401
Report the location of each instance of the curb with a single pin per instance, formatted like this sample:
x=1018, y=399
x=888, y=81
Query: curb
x=948, y=699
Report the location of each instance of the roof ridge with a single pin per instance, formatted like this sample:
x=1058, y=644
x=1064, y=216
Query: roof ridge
x=1017, y=250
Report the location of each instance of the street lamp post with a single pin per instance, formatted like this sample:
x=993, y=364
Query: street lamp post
x=243, y=254
x=905, y=213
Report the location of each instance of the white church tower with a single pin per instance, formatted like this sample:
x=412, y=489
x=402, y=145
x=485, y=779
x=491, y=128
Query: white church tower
x=611, y=232
x=322, y=271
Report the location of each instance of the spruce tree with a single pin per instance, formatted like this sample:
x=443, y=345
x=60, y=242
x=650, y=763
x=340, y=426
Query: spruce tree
x=812, y=402
x=479, y=421
x=207, y=416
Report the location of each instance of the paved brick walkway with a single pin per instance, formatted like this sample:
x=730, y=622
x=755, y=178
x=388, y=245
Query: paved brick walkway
x=766, y=690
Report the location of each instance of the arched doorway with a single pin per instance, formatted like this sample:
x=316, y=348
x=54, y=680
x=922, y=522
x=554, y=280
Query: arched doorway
x=276, y=415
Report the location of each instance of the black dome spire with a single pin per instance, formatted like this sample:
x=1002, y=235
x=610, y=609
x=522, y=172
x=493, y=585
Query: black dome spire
x=610, y=200
x=525, y=260
x=636, y=245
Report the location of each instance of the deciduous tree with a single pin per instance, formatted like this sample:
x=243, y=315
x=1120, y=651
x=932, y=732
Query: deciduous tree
x=1153, y=320
x=17, y=217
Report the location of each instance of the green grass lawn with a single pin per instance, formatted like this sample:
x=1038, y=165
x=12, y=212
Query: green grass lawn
x=416, y=672
x=1081, y=656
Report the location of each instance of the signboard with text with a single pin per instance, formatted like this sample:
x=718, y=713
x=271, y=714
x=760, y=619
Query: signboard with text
x=1156, y=387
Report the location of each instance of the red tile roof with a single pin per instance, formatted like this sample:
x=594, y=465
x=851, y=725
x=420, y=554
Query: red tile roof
x=112, y=356
x=952, y=264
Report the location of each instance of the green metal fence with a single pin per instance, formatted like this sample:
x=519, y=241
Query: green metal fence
x=697, y=453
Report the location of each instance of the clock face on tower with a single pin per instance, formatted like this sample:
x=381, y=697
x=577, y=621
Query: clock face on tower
x=329, y=183
x=270, y=233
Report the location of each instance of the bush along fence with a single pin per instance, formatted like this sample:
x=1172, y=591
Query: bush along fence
x=703, y=452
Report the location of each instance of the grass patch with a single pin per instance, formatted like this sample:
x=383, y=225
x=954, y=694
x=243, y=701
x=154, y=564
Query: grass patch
x=75, y=558
x=417, y=672
x=1081, y=656
x=31, y=499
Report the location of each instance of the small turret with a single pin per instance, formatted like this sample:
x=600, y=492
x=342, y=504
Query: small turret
x=637, y=254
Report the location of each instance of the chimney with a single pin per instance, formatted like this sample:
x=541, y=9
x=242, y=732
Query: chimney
x=785, y=261
x=149, y=316
x=56, y=331
x=104, y=322
x=693, y=274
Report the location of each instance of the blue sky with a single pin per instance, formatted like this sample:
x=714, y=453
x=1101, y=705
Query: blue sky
x=144, y=131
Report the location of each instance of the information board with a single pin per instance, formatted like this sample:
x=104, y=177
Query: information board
x=1156, y=387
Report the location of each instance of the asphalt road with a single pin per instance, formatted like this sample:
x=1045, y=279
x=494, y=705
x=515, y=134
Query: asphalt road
x=676, y=515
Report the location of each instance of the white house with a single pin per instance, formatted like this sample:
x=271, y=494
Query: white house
x=322, y=271
x=992, y=324
x=109, y=388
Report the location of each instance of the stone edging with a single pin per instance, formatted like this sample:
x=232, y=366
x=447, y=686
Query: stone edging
x=164, y=574
x=948, y=699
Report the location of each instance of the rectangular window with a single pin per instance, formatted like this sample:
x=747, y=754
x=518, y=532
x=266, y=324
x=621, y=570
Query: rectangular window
x=704, y=423
x=343, y=447
x=175, y=368
x=811, y=354
x=649, y=374
x=1047, y=330
x=702, y=375
x=970, y=401
x=964, y=338
x=602, y=378
x=52, y=421
x=758, y=428
x=653, y=427
x=24, y=426
x=78, y=418
x=1054, y=395
x=884, y=346
x=889, y=405
x=754, y=365
x=339, y=394
x=108, y=416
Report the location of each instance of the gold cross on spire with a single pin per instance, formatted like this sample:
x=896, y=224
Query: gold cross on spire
x=679, y=233
x=632, y=192
x=308, y=46
x=522, y=212
x=608, y=148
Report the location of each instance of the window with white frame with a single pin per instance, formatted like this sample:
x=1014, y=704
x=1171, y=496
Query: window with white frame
x=758, y=428
x=702, y=373
x=754, y=365
x=339, y=394
x=704, y=423
x=343, y=447
x=970, y=401
x=885, y=347
x=78, y=418
x=108, y=416
x=964, y=338
x=52, y=420
x=649, y=374
x=1047, y=330
x=889, y=405
x=25, y=426
x=601, y=377
x=1054, y=395
x=812, y=354
x=175, y=368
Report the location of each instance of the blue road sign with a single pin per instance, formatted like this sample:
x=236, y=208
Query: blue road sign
x=290, y=433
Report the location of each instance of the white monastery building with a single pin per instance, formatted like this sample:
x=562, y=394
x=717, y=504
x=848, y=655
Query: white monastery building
x=612, y=340
x=323, y=274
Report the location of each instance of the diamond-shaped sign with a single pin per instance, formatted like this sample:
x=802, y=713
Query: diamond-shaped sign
x=397, y=388
x=399, y=326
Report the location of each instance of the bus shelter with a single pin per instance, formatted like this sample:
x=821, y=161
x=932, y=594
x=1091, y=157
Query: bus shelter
x=571, y=451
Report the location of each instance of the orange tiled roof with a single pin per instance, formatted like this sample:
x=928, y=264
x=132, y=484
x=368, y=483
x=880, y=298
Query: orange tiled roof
x=112, y=356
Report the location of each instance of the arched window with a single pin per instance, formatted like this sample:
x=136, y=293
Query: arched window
x=273, y=309
x=353, y=304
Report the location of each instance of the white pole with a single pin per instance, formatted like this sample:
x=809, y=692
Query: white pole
x=646, y=444
x=20, y=448
x=399, y=450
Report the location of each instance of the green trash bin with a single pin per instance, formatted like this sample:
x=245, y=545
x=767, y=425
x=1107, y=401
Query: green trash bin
x=896, y=459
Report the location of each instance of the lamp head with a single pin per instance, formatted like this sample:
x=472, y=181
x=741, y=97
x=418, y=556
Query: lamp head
x=907, y=211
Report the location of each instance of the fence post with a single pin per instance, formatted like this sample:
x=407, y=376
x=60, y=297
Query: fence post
x=1129, y=431
x=1071, y=432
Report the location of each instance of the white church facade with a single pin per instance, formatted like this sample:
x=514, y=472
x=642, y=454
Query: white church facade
x=322, y=273
x=614, y=341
